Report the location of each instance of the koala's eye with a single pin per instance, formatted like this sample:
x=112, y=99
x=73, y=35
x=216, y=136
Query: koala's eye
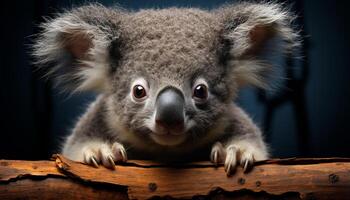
x=139, y=92
x=200, y=92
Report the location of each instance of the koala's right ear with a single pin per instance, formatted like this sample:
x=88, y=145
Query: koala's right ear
x=250, y=33
x=75, y=47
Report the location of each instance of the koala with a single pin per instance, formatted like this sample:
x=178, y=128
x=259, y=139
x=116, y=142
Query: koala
x=166, y=79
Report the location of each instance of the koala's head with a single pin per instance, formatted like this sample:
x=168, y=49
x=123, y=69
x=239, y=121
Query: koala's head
x=168, y=75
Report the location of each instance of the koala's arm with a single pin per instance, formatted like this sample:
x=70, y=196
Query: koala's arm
x=243, y=143
x=90, y=141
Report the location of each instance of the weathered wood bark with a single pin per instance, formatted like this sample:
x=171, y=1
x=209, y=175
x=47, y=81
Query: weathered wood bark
x=326, y=178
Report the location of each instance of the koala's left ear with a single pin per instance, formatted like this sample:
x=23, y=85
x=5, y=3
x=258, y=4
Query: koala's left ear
x=248, y=34
x=81, y=47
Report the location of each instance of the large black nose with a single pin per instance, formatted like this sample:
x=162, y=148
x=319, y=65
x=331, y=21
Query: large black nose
x=170, y=109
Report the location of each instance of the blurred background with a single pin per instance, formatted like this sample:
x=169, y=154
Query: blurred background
x=307, y=115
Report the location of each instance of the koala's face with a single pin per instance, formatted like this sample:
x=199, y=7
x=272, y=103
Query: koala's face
x=168, y=75
x=174, y=87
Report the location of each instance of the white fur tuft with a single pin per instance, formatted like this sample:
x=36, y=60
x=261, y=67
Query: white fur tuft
x=270, y=24
x=74, y=46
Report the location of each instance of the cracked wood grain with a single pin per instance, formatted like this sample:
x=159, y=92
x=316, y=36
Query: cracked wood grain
x=294, y=178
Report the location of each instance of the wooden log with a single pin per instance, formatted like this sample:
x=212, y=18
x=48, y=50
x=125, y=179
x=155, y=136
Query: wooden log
x=61, y=178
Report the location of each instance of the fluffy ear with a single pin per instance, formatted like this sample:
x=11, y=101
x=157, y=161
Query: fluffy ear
x=78, y=47
x=250, y=32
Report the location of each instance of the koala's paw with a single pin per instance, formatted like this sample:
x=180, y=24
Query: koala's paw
x=105, y=154
x=218, y=153
x=235, y=154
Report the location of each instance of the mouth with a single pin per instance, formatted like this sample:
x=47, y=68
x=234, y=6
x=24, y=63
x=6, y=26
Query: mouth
x=168, y=139
x=165, y=136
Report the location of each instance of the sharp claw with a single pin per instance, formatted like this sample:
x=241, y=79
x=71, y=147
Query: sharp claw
x=94, y=162
x=212, y=157
x=123, y=154
x=228, y=167
x=111, y=161
x=245, y=165
x=248, y=164
x=228, y=170
x=215, y=159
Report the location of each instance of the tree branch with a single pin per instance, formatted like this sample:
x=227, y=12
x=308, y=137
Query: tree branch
x=318, y=178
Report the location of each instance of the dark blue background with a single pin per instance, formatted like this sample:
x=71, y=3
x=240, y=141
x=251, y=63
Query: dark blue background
x=35, y=117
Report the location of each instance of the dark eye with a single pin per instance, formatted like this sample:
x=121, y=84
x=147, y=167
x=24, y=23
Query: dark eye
x=200, y=92
x=139, y=92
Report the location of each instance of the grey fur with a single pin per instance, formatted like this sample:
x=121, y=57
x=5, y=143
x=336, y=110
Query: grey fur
x=108, y=49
